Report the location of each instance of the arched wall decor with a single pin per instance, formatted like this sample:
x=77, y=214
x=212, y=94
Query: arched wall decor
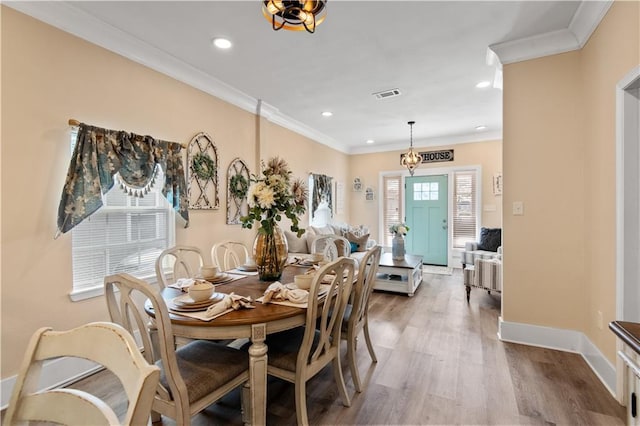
x=237, y=190
x=202, y=173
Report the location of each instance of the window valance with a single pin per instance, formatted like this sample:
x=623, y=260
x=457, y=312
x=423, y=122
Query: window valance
x=101, y=153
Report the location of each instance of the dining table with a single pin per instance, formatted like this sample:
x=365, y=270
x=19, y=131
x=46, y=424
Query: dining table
x=254, y=324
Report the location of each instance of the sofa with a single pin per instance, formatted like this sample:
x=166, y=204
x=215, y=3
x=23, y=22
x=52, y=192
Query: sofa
x=482, y=262
x=358, y=237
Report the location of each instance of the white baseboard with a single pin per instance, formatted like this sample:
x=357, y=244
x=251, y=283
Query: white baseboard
x=562, y=340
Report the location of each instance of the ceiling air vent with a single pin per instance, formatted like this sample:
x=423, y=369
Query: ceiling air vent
x=387, y=94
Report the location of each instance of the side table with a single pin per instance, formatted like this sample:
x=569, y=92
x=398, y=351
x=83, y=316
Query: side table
x=403, y=276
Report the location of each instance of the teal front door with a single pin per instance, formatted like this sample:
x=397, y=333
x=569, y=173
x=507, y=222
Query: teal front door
x=426, y=215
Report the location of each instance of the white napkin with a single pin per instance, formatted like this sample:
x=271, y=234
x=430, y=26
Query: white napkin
x=231, y=301
x=184, y=283
x=277, y=291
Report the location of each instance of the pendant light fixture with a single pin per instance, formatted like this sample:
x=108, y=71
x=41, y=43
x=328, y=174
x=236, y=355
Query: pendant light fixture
x=295, y=15
x=411, y=160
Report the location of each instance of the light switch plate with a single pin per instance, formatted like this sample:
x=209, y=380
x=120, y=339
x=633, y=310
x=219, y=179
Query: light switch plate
x=518, y=208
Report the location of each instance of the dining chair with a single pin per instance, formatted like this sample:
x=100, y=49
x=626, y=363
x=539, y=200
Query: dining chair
x=299, y=354
x=107, y=344
x=195, y=375
x=332, y=246
x=181, y=261
x=356, y=315
x=229, y=254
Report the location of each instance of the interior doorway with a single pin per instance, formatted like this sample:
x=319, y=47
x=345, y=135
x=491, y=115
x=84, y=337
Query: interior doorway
x=627, y=197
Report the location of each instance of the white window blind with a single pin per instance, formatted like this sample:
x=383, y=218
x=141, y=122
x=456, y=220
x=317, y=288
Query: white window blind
x=392, y=205
x=464, y=207
x=125, y=235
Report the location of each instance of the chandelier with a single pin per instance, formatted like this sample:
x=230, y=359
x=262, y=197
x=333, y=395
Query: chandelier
x=295, y=15
x=411, y=160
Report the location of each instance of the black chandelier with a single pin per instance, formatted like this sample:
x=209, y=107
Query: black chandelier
x=295, y=15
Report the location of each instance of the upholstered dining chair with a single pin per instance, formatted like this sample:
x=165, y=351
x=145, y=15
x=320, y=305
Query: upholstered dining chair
x=356, y=315
x=182, y=261
x=195, y=375
x=332, y=246
x=105, y=343
x=229, y=254
x=299, y=354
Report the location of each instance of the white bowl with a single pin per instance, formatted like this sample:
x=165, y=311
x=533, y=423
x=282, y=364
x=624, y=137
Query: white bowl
x=201, y=291
x=303, y=281
x=209, y=271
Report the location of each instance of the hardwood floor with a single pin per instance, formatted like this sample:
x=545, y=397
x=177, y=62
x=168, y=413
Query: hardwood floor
x=440, y=362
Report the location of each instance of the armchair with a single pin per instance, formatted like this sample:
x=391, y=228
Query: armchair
x=482, y=262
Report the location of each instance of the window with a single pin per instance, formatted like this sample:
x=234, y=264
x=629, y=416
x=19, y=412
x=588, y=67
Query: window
x=125, y=235
x=391, y=206
x=464, y=207
x=425, y=191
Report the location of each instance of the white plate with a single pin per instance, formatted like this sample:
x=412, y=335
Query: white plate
x=185, y=301
x=247, y=268
x=218, y=278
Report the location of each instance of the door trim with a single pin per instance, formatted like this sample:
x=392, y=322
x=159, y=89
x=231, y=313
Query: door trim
x=453, y=255
x=627, y=190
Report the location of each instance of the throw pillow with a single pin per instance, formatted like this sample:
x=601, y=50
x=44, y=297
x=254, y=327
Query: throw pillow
x=490, y=239
x=340, y=245
x=296, y=245
x=325, y=230
x=360, y=241
x=354, y=246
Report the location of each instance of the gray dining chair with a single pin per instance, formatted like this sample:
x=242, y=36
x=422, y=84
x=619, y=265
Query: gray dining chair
x=195, y=375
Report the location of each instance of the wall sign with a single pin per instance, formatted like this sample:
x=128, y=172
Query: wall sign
x=434, y=156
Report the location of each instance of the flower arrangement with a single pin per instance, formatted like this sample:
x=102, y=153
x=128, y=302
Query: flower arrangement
x=399, y=228
x=274, y=193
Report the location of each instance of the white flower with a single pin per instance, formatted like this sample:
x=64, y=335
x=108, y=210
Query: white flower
x=266, y=197
x=402, y=230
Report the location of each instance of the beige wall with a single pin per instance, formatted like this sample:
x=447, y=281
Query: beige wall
x=559, y=159
x=487, y=155
x=49, y=76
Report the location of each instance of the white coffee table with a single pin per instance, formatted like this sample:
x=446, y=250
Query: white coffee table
x=402, y=276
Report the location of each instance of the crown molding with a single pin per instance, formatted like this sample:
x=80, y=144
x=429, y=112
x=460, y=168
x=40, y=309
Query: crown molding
x=69, y=18
x=430, y=142
x=587, y=18
x=584, y=22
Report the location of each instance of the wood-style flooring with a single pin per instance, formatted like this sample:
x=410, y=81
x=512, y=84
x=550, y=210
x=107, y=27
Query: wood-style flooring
x=439, y=362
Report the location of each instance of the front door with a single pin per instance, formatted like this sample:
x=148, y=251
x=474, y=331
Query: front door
x=426, y=216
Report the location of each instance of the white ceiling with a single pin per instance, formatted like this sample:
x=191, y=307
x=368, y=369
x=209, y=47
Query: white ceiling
x=433, y=51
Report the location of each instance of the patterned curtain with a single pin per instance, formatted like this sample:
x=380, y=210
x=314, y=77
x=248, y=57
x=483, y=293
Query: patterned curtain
x=321, y=190
x=100, y=153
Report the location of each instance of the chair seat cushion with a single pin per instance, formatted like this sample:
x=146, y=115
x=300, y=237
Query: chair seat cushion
x=285, y=345
x=205, y=366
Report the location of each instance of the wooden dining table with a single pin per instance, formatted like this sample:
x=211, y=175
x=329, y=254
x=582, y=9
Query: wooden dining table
x=254, y=324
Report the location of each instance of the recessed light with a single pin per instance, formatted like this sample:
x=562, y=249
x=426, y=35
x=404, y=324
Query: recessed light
x=481, y=127
x=483, y=84
x=221, y=43
x=327, y=113
x=370, y=141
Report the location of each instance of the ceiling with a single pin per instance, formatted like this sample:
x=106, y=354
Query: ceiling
x=434, y=52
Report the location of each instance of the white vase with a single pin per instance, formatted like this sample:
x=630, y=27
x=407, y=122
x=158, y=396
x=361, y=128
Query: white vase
x=397, y=247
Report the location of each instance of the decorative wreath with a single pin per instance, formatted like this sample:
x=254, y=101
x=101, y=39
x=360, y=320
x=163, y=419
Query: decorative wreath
x=203, y=166
x=238, y=186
